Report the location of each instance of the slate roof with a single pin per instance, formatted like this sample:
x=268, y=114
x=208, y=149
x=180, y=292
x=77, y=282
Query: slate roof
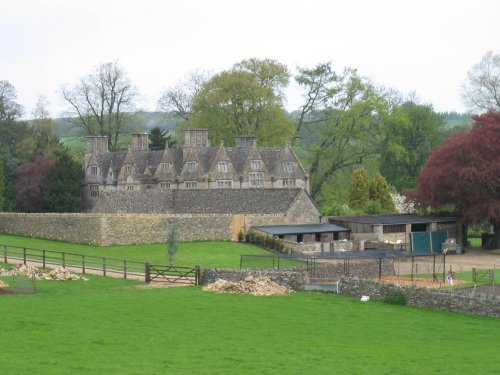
x=213, y=201
x=391, y=219
x=302, y=228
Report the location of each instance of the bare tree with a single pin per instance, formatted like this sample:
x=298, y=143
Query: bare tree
x=481, y=90
x=9, y=109
x=178, y=99
x=102, y=102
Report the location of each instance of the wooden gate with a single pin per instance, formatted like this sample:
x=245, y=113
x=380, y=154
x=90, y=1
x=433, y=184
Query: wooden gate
x=173, y=274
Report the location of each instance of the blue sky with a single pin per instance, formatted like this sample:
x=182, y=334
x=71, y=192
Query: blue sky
x=422, y=46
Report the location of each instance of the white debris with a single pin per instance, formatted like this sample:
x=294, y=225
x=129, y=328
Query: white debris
x=59, y=273
x=260, y=286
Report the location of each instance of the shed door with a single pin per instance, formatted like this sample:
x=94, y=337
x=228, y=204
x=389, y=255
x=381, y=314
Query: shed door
x=427, y=242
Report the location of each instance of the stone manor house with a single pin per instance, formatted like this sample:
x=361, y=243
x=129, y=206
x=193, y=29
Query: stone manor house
x=196, y=165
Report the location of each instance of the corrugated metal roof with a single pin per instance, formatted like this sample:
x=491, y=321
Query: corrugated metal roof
x=392, y=219
x=301, y=228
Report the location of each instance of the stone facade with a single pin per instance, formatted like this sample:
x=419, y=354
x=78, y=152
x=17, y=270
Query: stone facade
x=196, y=165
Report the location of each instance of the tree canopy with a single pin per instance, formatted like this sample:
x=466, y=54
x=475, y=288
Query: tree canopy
x=464, y=173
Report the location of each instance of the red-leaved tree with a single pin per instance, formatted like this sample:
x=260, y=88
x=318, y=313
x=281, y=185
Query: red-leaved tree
x=32, y=182
x=464, y=173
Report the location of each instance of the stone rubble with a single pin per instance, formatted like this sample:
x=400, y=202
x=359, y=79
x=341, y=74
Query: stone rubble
x=59, y=273
x=257, y=286
x=3, y=284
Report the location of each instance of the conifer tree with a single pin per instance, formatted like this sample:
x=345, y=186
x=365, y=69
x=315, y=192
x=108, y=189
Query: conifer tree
x=359, y=190
x=379, y=192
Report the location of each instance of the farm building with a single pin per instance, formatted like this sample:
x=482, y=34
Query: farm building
x=411, y=232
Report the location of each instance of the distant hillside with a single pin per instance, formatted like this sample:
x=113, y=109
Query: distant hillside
x=140, y=122
x=454, y=119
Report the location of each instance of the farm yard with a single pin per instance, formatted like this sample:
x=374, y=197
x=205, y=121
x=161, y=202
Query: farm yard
x=117, y=326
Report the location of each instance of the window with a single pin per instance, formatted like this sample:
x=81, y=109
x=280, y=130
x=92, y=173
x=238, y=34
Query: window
x=256, y=164
x=256, y=179
x=165, y=168
x=288, y=166
x=191, y=166
x=190, y=184
x=93, y=170
x=224, y=184
x=130, y=187
x=110, y=175
x=94, y=190
x=288, y=183
x=128, y=169
x=164, y=185
x=223, y=166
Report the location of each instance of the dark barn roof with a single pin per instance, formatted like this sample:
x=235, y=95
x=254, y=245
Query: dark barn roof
x=302, y=228
x=391, y=219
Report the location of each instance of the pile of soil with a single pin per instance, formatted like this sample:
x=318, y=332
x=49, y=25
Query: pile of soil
x=31, y=272
x=259, y=286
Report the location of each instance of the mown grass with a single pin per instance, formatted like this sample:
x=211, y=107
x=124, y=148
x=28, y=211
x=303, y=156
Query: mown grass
x=220, y=254
x=112, y=326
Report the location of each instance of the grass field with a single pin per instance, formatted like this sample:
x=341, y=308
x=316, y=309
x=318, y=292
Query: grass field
x=220, y=254
x=113, y=326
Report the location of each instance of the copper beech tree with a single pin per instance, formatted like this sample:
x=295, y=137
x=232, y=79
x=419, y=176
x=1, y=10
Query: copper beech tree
x=464, y=174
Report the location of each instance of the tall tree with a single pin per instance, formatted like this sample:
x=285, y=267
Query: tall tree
x=244, y=100
x=379, y=192
x=9, y=109
x=63, y=193
x=464, y=174
x=411, y=132
x=33, y=181
x=178, y=99
x=102, y=102
x=339, y=124
x=359, y=193
x=47, y=141
x=159, y=138
x=1, y=185
x=481, y=90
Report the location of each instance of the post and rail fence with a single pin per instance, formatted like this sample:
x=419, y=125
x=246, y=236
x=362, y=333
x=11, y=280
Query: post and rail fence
x=104, y=266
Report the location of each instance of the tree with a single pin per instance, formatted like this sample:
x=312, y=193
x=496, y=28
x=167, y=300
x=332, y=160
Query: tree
x=411, y=132
x=32, y=182
x=341, y=124
x=178, y=99
x=481, y=90
x=379, y=192
x=1, y=185
x=159, y=138
x=463, y=175
x=102, y=102
x=359, y=193
x=245, y=100
x=9, y=109
x=172, y=243
x=63, y=193
x=44, y=127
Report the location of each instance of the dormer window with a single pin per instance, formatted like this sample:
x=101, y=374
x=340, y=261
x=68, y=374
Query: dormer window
x=223, y=166
x=128, y=169
x=165, y=168
x=256, y=164
x=93, y=170
x=288, y=166
x=191, y=166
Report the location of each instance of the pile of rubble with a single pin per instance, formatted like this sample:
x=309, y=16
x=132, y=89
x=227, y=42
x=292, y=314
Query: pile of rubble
x=31, y=272
x=257, y=286
x=3, y=284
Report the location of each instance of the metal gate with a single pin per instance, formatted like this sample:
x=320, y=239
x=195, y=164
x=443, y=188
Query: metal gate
x=173, y=274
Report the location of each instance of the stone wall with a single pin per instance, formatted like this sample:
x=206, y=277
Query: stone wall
x=294, y=278
x=447, y=300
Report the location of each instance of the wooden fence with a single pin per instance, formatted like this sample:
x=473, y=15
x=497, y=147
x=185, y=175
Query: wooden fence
x=104, y=266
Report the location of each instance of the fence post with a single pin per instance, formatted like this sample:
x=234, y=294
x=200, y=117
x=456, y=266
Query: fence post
x=103, y=266
x=43, y=258
x=63, y=257
x=24, y=255
x=83, y=264
x=5, y=253
x=147, y=272
x=198, y=275
x=124, y=268
x=474, y=275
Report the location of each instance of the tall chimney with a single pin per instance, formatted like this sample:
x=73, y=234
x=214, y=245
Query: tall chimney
x=140, y=142
x=245, y=140
x=196, y=138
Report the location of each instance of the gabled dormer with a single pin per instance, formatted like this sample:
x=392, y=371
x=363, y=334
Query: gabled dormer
x=191, y=171
x=255, y=172
x=127, y=169
x=166, y=168
x=222, y=171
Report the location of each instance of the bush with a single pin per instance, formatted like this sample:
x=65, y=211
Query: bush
x=395, y=298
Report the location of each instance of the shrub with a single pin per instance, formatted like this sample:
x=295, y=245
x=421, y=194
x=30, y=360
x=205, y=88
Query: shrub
x=240, y=236
x=395, y=298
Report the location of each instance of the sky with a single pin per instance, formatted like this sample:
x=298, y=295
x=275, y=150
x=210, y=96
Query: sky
x=424, y=46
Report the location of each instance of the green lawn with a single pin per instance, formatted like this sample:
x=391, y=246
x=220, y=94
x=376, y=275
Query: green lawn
x=220, y=254
x=111, y=326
